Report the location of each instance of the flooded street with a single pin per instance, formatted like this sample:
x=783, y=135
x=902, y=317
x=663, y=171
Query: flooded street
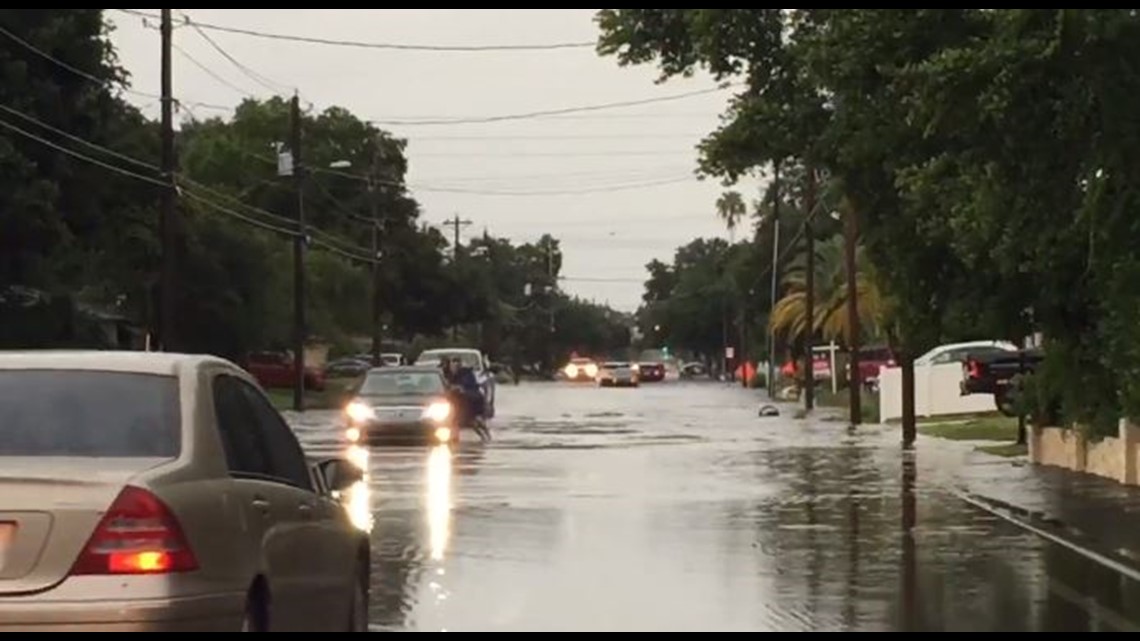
x=673, y=507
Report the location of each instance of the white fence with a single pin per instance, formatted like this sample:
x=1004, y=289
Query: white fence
x=936, y=392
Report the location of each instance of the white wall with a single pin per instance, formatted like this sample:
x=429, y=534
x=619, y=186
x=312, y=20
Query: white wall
x=936, y=392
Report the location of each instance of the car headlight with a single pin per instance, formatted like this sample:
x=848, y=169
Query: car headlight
x=635, y=367
x=438, y=411
x=359, y=412
x=591, y=370
x=571, y=370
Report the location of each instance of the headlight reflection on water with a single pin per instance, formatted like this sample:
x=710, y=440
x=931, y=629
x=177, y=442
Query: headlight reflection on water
x=439, y=500
x=358, y=498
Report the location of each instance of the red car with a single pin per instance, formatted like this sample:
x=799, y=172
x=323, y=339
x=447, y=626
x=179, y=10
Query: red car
x=871, y=360
x=651, y=372
x=275, y=369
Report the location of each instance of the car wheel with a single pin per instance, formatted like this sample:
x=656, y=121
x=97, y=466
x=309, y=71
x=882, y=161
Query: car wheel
x=358, y=612
x=1006, y=401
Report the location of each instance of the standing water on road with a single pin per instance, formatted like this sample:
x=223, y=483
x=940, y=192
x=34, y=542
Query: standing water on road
x=673, y=507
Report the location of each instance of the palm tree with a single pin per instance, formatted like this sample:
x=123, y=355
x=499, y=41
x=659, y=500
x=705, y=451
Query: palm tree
x=731, y=209
x=789, y=316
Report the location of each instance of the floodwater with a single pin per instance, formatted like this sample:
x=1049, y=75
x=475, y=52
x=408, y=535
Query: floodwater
x=674, y=507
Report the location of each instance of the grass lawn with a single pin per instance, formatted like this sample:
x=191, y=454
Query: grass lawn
x=335, y=395
x=1006, y=449
x=990, y=428
x=869, y=403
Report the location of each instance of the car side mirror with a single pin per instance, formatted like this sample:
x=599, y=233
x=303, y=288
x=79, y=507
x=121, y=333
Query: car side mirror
x=339, y=474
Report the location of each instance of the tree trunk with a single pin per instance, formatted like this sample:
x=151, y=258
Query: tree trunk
x=909, y=423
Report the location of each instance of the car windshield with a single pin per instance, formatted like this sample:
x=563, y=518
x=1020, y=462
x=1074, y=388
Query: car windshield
x=386, y=383
x=89, y=414
x=468, y=359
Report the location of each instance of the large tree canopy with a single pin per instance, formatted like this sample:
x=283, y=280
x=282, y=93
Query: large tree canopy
x=988, y=155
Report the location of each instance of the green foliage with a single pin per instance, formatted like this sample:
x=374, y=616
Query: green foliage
x=700, y=302
x=79, y=237
x=990, y=157
x=68, y=226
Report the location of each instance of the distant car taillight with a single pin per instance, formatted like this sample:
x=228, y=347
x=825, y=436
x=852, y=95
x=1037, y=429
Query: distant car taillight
x=138, y=535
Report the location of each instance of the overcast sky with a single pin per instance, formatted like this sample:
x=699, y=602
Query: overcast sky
x=638, y=160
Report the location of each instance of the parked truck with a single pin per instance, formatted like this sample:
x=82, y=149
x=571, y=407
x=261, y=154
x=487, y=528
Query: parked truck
x=999, y=374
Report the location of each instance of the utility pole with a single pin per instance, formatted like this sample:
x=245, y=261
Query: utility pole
x=724, y=339
x=772, y=369
x=374, y=206
x=299, y=241
x=743, y=347
x=168, y=224
x=552, y=288
x=809, y=294
x=553, y=282
x=456, y=224
x=855, y=378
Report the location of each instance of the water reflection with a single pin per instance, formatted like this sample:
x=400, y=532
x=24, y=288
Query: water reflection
x=358, y=498
x=414, y=491
x=439, y=500
x=909, y=588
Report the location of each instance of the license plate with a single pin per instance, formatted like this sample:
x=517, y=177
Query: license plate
x=398, y=415
x=7, y=536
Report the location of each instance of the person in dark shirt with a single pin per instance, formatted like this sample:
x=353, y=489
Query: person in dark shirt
x=467, y=397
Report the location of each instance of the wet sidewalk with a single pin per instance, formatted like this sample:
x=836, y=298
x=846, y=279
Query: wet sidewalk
x=1089, y=511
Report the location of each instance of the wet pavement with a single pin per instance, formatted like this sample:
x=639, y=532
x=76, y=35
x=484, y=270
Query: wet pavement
x=673, y=507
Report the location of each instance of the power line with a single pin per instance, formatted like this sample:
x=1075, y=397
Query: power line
x=586, y=279
x=648, y=172
x=107, y=84
x=485, y=192
x=377, y=45
x=97, y=147
x=128, y=173
x=489, y=192
x=554, y=112
x=328, y=244
x=260, y=79
x=646, y=136
x=324, y=235
x=213, y=74
x=557, y=154
x=595, y=116
x=145, y=165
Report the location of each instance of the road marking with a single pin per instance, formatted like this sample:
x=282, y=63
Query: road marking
x=1092, y=555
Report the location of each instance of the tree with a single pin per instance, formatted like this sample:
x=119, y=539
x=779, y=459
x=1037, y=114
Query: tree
x=731, y=208
x=830, y=318
x=69, y=227
x=805, y=100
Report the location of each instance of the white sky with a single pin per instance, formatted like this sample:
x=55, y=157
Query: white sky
x=605, y=235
